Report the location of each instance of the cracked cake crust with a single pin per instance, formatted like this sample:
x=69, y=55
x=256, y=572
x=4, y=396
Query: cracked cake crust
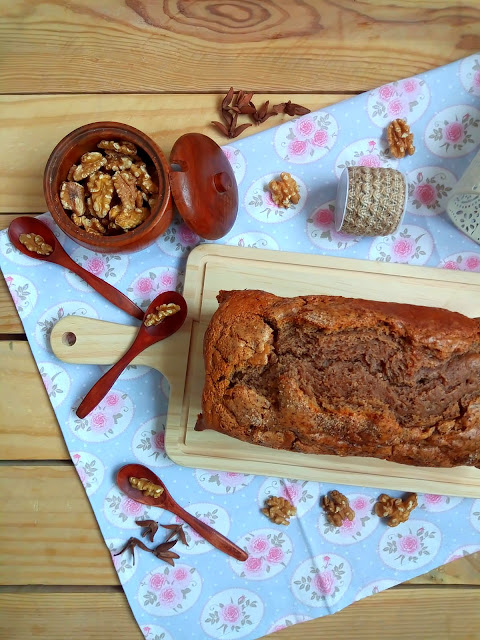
x=343, y=376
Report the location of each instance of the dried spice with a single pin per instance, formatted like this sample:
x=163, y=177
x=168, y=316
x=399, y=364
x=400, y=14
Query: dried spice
x=150, y=528
x=237, y=103
x=395, y=509
x=148, y=488
x=337, y=508
x=290, y=108
x=175, y=530
x=263, y=113
x=162, y=552
x=35, y=243
x=130, y=545
x=232, y=131
x=233, y=104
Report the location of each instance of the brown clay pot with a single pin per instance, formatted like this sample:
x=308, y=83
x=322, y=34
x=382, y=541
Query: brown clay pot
x=204, y=187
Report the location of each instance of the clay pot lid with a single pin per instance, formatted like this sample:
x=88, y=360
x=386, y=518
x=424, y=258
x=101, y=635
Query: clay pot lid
x=204, y=189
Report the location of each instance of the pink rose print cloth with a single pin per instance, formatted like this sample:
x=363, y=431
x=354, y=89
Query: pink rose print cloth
x=310, y=568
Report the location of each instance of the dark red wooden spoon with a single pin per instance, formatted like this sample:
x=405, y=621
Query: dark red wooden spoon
x=165, y=501
x=26, y=224
x=146, y=336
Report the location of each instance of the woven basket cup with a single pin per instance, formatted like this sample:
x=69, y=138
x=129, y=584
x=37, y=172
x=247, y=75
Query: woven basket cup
x=463, y=205
x=370, y=201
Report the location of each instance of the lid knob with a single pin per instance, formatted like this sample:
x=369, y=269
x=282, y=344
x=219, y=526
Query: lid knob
x=222, y=182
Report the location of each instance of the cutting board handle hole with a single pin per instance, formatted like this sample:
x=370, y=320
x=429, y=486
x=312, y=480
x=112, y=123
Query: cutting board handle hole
x=69, y=338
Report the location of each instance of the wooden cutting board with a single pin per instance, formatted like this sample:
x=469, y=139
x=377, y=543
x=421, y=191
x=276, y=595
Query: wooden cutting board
x=214, y=267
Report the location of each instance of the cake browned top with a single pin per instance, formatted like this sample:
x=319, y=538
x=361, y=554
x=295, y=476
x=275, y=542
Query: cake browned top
x=316, y=372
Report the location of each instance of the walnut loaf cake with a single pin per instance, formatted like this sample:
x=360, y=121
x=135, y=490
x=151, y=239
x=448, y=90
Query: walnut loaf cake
x=332, y=375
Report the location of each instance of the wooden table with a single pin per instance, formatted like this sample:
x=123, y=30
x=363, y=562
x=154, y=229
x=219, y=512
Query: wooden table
x=161, y=66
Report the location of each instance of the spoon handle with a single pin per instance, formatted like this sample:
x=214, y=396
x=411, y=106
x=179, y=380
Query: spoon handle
x=215, y=538
x=106, y=382
x=105, y=289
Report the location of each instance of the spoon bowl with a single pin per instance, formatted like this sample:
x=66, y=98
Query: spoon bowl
x=27, y=224
x=165, y=501
x=145, y=337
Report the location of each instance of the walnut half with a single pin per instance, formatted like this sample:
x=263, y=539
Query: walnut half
x=284, y=191
x=161, y=312
x=400, y=140
x=395, y=509
x=279, y=510
x=36, y=243
x=337, y=508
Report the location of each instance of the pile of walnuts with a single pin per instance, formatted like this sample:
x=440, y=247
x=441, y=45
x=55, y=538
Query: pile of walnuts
x=110, y=191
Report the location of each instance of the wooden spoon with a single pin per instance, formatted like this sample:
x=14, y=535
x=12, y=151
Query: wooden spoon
x=146, y=336
x=165, y=501
x=26, y=224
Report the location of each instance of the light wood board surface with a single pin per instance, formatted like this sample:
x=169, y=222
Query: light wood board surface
x=315, y=52
x=32, y=125
x=295, y=45
x=211, y=268
x=395, y=614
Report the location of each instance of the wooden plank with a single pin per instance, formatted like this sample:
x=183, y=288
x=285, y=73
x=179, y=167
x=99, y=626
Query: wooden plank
x=49, y=534
x=28, y=426
x=9, y=320
x=292, y=45
x=446, y=613
x=44, y=511
x=32, y=125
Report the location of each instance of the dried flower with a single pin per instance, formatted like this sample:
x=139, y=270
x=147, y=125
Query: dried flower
x=243, y=104
x=162, y=552
x=263, y=114
x=151, y=528
x=175, y=530
x=232, y=131
x=290, y=108
x=131, y=544
x=237, y=103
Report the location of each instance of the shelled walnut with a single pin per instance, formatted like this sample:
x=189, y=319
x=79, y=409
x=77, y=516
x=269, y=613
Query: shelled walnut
x=161, y=312
x=284, y=191
x=72, y=197
x=400, y=139
x=117, y=193
x=148, y=488
x=279, y=510
x=337, y=508
x=395, y=509
x=35, y=243
x=89, y=163
x=100, y=186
